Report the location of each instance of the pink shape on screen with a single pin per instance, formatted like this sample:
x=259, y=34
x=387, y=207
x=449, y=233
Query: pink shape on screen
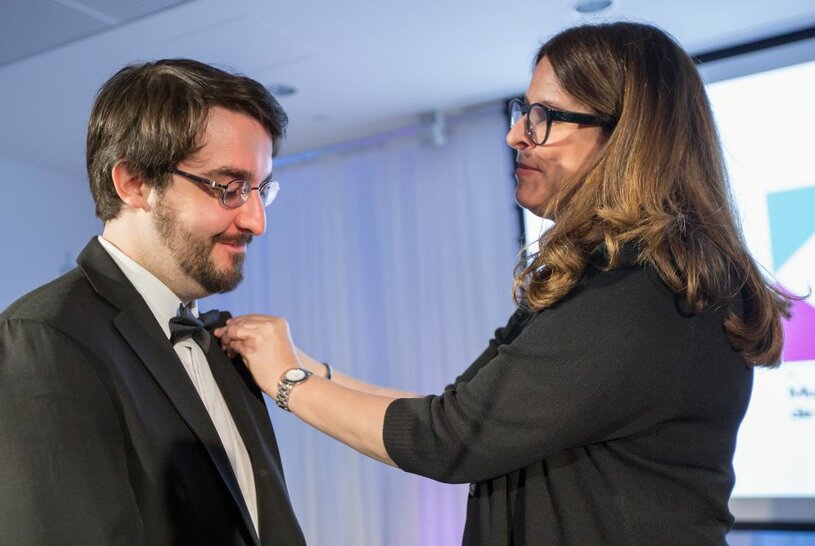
x=799, y=333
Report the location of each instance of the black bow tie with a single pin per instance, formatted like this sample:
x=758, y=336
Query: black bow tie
x=185, y=325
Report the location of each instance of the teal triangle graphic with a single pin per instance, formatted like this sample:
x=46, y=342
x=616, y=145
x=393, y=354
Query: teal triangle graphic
x=792, y=221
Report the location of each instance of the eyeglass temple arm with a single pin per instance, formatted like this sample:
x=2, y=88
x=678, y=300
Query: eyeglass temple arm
x=576, y=117
x=201, y=180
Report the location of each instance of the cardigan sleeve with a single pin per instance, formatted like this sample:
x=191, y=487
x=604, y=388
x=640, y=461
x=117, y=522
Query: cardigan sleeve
x=606, y=362
x=502, y=336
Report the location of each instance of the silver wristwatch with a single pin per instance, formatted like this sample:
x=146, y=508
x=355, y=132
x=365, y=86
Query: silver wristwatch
x=287, y=382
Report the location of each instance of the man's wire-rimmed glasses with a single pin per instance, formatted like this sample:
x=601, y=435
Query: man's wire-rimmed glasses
x=539, y=119
x=236, y=192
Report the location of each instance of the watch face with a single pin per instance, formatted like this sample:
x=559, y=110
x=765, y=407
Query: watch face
x=295, y=375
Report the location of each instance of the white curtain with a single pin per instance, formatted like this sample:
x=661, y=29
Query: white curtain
x=393, y=260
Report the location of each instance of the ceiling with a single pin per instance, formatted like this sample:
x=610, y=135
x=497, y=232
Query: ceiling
x=360, y=67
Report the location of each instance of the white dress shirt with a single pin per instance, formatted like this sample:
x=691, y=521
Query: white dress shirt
x=164, y=305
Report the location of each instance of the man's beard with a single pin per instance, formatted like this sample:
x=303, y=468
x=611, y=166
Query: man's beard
x=192, y=252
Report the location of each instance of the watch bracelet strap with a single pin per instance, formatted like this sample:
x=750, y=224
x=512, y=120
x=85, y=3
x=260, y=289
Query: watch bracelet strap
x=284, y=389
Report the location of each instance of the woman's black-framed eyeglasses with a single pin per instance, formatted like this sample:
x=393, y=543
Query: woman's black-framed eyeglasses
x=539, y=119
x=236, y=192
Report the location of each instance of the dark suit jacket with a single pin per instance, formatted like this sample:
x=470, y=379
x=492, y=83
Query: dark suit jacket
x=103, y=438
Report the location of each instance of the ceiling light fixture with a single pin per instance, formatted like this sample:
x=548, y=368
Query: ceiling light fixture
x=281, y=90
x=591, y=7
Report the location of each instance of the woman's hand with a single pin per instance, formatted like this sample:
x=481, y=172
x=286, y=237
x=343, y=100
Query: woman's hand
x=264, y=342
x=351, y=411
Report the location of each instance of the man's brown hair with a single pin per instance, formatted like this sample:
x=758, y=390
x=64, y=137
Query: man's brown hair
x=151, y=117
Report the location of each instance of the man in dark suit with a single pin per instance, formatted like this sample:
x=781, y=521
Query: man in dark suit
x=122, y=421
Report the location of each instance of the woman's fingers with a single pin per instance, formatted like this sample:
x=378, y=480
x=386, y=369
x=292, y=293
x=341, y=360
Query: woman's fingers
x=264, y=344
x=248, y=334
x=241, y=328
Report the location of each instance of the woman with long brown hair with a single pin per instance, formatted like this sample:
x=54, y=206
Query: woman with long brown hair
x=606, y=410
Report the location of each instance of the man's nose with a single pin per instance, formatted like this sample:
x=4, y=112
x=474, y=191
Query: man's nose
x=252, y=215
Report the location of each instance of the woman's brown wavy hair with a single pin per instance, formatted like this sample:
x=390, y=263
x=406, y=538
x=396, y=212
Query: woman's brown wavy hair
x=658, y=182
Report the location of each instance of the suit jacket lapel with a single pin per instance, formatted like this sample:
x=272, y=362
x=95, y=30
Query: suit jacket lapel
x=140, y=330
x=249, y=412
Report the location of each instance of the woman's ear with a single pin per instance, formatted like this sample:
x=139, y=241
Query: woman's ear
x=130, y=186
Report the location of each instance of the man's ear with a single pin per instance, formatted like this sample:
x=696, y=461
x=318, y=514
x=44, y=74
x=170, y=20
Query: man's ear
x=130, y=186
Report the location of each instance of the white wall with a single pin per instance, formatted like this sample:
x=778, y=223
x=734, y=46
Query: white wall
x=46, y=219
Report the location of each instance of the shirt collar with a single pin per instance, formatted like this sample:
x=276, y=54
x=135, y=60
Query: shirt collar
x=162, y=301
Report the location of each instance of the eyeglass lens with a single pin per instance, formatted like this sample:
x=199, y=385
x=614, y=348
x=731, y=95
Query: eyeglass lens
x=237, y=193
x=268, y=192
x=515, y=112
x=537, y=121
